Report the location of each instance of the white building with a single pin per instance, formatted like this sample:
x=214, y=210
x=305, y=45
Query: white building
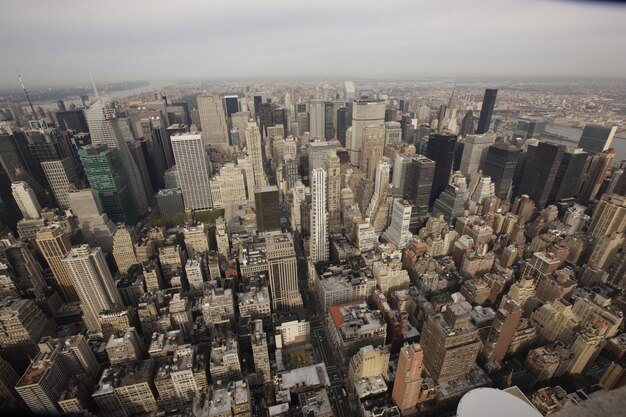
x=475, y=153
x=61, y=176
x=364, y=113
x=193, y=169
x=228, y=186
x=26, y=200
x=318, y=241
x=254, y=147
x=316, y=119
x=398, y=231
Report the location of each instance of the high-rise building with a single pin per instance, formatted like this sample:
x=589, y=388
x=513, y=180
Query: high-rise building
x=408, y=382
x=329, y=122
x=540, y=171
x=283, y=272
x=489, y=102
x=597, y=138
x=441, y=150
x=267, y=204
x=450, y=343
x=500, y=165
x=260, y=355
x=333, y=191
x=94, y=225
x=212, y=122
x=253, y=140
x=228, y=186
x=502, y=330
x=316, y=119
x=54, y=244
x=527, y=129
x=26, y=200
x=107, y=129
x=398, y=231
x=43, y=382
x=22, y=322
x=594, y=173
x=349, y=90
x=369, y=362
x=231, y=104
x=475, y=154
x=319, y=246
x=8, y=379
x=192, y=164
x=93, y=282
x=108, y=182
x=61, y=176
x=568, y=175
x=467, y=125
x=124, y=249
x=372, y=149
x=609, y=216
x=365, y=112
x=344, y=120
x=419, y=183
x=451, y=202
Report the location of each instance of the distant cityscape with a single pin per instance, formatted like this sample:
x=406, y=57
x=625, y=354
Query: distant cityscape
x=312, y=248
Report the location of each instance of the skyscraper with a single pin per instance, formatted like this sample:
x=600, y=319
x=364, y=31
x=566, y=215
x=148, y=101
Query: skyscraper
x=540, y=171
x=253, y=141
x=597, y=138
x=61, y=176
x=408, y=382
x=451, y=343
x=343, y=123
x=365, y=112
x=54, y=244
x=489, y=102
x=105, y=172
x=283, y=271
x=267, y=205
x=318, y=241
x=93, y=282
x=500, y=165
x=594, y=173
x=316, y=119
x=373, y=149
x=502, y=330
x=107, y=129
x=231, y=104
x=260, y=355
x=94, y=225
x=467, y=125
x=192, y=164
x=609, y=216
x=398, y=231
x=124, y=249
x=333, y=192
x=26, y=200
x=419, y=183
x=212, y=121
x=441, y=150
x=475, y=154
x=568, y=175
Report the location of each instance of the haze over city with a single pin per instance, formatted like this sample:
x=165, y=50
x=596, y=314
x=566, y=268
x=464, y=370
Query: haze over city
x=144, y=40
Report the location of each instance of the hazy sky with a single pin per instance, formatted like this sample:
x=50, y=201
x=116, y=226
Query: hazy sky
x=54, y=42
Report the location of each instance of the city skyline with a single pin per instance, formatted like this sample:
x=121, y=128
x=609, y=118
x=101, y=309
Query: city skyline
x=328, y=40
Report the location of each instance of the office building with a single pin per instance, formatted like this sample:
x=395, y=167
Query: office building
x=93, y=283
x=212, y=122
x=408, y=382
x=500, y=165
x=54, y=244
x=527, y=129
x=568, y=175
x=124, y=249
x=26, y=200
x=61, y=176
x=169, y=201
x=540, y=171
x=594, y=174
x=398, y=231
x=105, y=173
x=609, y=216
x=450, y=343
x=597, y=138
x=316, y=119
x=94, y=225
x=283, y=271
x=451, y=202
x=475, y=154
x=22, y=323
x=369, y=362
x=231, y=104
x=486, y=111
x=333, y=192
x=43, y=382
x=318, y=241
x=502, y=330
x=228, y=186
x=193, y=166
x=108, y=129
x=441, y=151
x=254, y=145
x=365, y=112
x=267, y=204
x=373, y=145
x=260, y=354
x=353, y=325
x=419, y=183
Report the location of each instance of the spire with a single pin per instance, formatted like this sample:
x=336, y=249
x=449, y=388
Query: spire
x=93, y=84
x=19, y=77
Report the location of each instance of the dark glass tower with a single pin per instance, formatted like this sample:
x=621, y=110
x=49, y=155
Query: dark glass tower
x=329, y=128
x=596, y=138
x=231, y=104
x=418, y=185
x=267, y=206
x=568, y=175
x=258, y=100
x=467, y=125
x=489, y=101
x=540, y=172
x=441, y=150
x=500, y=165
x=343, y=123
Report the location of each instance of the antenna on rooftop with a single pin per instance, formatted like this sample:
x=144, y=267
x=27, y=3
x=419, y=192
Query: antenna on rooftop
x=32, y=108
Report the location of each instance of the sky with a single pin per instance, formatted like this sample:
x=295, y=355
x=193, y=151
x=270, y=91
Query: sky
x=54, y=42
